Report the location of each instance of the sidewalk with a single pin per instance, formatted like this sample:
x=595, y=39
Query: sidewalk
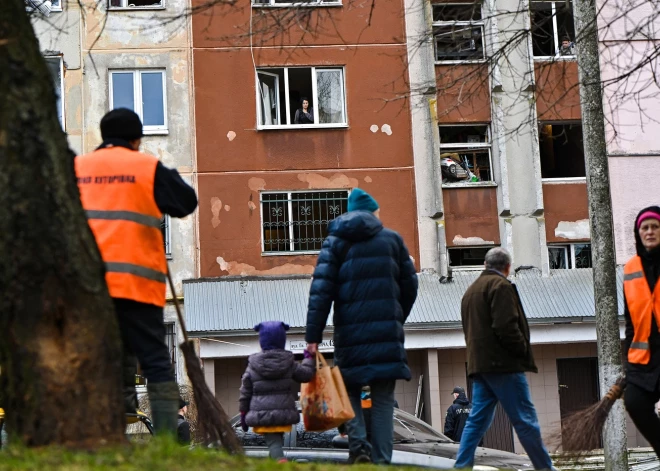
x=639, y=459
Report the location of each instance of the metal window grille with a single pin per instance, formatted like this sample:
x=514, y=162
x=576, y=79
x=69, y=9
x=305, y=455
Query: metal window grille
x=170, y=340
x=570, y=256
x=298, y=221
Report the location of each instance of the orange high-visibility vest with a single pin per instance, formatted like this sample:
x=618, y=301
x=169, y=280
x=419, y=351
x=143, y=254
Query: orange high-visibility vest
x=642, y=305
x=117, y=191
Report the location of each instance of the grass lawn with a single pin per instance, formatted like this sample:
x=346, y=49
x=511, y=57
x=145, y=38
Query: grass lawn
x=158, y=455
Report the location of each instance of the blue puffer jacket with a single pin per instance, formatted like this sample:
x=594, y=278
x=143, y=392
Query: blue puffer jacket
x=373, y=290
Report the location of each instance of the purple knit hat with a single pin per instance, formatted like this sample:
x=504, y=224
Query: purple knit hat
x=272, y=334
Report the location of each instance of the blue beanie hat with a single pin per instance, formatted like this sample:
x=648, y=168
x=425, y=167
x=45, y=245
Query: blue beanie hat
x=360, y=200
x=272, y=334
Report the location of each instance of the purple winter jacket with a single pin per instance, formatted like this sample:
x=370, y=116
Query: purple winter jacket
x=270, y=387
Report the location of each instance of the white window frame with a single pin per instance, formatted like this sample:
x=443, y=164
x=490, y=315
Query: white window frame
x=137, y=97
x=125, y=6
x=555, y=33
x=569, y=251
x=471, y=24
x=466, y=145
x=291, y=251
x=287, y=106
x=60, y=58
x=167, y=236
x=559, y=180
x=467, y=267
x=308, y=3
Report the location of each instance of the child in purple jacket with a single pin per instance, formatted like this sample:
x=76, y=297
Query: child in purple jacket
x=270, y=387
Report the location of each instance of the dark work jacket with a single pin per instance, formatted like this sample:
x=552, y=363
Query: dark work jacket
x=270, y=387
x=457, y=415
x=373, y=286
x=183, y=430
x=644, y=376
x=495, y=327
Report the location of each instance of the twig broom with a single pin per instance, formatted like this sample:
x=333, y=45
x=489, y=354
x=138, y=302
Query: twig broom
x=212, y=420
x=582, y=430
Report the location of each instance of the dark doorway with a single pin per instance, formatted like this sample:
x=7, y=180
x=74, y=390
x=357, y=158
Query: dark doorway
x=500, y=433
x=578, y=388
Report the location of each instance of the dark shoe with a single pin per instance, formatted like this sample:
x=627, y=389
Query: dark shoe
x=164, y=400
x=361, y=458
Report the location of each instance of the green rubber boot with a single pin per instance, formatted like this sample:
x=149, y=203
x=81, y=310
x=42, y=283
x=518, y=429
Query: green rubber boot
x=164, y=399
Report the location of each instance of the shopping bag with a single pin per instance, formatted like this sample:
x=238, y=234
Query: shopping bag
x=324, y=399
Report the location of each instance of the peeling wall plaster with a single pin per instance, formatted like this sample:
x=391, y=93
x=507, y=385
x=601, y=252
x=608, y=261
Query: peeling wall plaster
x=573, y=230
x=216, y=207
x=256, y=184
x=338, y=180
x=460, y=240
x=237, y=268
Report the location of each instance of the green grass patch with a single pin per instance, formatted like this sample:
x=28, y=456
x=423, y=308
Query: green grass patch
x=157, y=455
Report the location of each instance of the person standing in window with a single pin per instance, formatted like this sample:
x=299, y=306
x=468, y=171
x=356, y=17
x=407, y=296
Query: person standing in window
x=305, y=114
x=567, y=47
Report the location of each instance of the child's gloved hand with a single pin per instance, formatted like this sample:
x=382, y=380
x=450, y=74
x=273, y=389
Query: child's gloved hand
x=306, y=354
x=244, y=426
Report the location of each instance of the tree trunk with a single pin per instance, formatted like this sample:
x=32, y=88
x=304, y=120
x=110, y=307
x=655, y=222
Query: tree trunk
x=602, y=230
x=59, y=343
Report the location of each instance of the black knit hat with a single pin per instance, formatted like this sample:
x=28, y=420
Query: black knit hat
x=121, y=123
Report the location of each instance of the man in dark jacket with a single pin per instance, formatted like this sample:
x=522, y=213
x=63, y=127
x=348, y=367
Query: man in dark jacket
x=457, y=414
x=498, y=355
x=367, y=272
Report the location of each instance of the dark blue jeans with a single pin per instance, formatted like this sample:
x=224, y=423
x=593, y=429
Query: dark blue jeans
x=382, y=425
x=512, y=391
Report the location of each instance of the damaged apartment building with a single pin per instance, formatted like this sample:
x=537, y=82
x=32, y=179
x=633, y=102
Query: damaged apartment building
x=462, y=118
x=121, y=53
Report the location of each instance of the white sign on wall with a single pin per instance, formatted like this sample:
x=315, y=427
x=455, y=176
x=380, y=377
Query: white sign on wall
x=299, y=345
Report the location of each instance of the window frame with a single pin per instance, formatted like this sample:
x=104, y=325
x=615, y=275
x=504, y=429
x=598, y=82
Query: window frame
x=307, y=4
x=125, y=7
x=559, y=180
x=569, y=250
x=137, y=97
x=167, y=235
x=479, y=23
x=56, y=8
x=287, y=105
x=466, y=145
x=467, y=267
x=555, y=33
x=264, y=253
x=60, y=58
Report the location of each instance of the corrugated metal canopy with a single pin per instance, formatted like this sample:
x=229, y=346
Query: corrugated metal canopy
x=239, y=303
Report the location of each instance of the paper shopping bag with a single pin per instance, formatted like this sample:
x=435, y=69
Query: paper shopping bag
x=324, y=399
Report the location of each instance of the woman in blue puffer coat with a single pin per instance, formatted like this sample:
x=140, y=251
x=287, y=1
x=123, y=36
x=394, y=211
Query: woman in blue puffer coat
x=367, y=272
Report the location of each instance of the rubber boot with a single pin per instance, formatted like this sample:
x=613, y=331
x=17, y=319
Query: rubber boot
x=164, y=399
x=129, y=372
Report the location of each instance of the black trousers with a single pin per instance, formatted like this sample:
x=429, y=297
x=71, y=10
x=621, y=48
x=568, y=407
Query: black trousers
x=143, y=338
x=640, y=404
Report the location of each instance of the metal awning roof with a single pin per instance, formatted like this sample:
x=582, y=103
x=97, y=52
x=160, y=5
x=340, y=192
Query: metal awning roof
x=229, y=304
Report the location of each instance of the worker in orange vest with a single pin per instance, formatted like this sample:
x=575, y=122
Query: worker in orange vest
x=642, y=312
x=125, y=194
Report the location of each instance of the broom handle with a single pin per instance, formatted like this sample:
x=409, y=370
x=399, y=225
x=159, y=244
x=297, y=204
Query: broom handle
x=182, y=324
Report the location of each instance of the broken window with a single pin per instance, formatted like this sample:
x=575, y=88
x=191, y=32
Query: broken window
x=458, y=32
x=142, y=91
x=298, y=221
x=553, y=32
x=569, y=256
x=465, y=154
x=43, y=6
x=562, y=151
x=165, y=231
x=135, y=3
x=474, y=257
x=56, y=68
x=291, y=3
x=301, y=96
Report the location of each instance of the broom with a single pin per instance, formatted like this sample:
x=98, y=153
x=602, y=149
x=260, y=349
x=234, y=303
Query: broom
x=582, y=430
x=212, y=420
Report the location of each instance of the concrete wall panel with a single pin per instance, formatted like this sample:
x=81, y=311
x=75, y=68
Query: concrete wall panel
x=565, y=204
x=471, y=213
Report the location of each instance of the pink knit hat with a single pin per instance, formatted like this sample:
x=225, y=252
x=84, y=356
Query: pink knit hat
x=647, y=215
